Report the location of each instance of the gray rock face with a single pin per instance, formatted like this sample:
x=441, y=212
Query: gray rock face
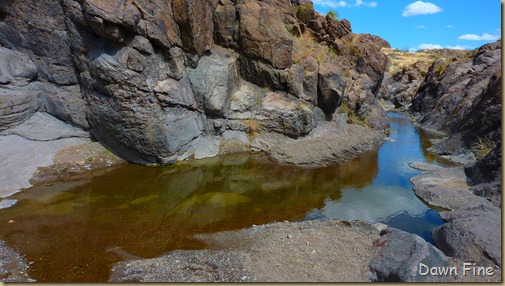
x=397, y=255
x=214, y=80
x=16, y=68
x=65, y=103
x=16, y=106
x=331, y=90
x=262, y=34
x=172, y=93
x=245, y=102
x=262, y=74
x=44, y=127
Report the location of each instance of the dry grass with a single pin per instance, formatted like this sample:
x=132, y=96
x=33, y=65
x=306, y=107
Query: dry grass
x=306, y=46
x=253, y=125
x=483, y=147
x=352, y=117
x=400, y=59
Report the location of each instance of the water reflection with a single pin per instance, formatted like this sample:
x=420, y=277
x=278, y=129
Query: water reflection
x=74, y=231
x=389, y=198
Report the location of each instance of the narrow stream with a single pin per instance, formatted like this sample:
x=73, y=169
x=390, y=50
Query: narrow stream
x=74, y=231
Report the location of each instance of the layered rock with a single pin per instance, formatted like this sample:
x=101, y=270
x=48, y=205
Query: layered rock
x=160, y=81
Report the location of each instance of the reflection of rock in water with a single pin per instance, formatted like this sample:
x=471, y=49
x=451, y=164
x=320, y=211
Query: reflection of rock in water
x=360, y=171
x=206, y=208
x=150, y=211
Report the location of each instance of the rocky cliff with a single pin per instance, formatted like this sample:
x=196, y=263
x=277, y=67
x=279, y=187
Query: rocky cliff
x=462, y=99
x=160, y=81
x=406, y=71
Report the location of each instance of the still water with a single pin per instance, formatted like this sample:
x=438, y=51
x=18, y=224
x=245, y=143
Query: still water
x=74, y=231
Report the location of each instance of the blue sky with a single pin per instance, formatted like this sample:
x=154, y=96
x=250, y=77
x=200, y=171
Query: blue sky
x=413, y=25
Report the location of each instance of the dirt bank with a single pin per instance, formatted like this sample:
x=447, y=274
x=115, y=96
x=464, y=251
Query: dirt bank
x=330, y=148
x=76, y=160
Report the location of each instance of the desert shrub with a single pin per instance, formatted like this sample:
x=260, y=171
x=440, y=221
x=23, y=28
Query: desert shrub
x=306, y=46
x=333, y=14
x=483, y=147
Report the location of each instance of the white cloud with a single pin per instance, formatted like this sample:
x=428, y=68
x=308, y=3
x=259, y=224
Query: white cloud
x=474, y=37
x=420, y=8
x=437, y=47
x=458, y=47
x=331, y=4
x=340, y=4
x=421, y=27
x=360, y=3
x=430, y=47
x=450, y=26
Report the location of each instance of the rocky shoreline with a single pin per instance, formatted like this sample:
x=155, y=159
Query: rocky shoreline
x=311, y=251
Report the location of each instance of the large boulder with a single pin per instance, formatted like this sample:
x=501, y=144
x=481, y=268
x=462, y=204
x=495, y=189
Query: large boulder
x=397, y=256
x=262, y=34
x=471, y=235
x=291, y=117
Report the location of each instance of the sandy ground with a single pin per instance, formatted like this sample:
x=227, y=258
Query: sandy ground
x=313, y=251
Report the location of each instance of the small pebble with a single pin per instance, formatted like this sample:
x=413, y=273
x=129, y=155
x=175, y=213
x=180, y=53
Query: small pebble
x=11, y=221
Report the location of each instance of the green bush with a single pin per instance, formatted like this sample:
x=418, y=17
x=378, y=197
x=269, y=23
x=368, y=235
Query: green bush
x=289, y=27
x=333, y=14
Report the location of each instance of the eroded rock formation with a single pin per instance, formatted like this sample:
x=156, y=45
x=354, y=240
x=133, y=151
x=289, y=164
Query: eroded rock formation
x=154, y=81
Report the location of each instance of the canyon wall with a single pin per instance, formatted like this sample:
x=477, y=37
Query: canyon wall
x=161, y=81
